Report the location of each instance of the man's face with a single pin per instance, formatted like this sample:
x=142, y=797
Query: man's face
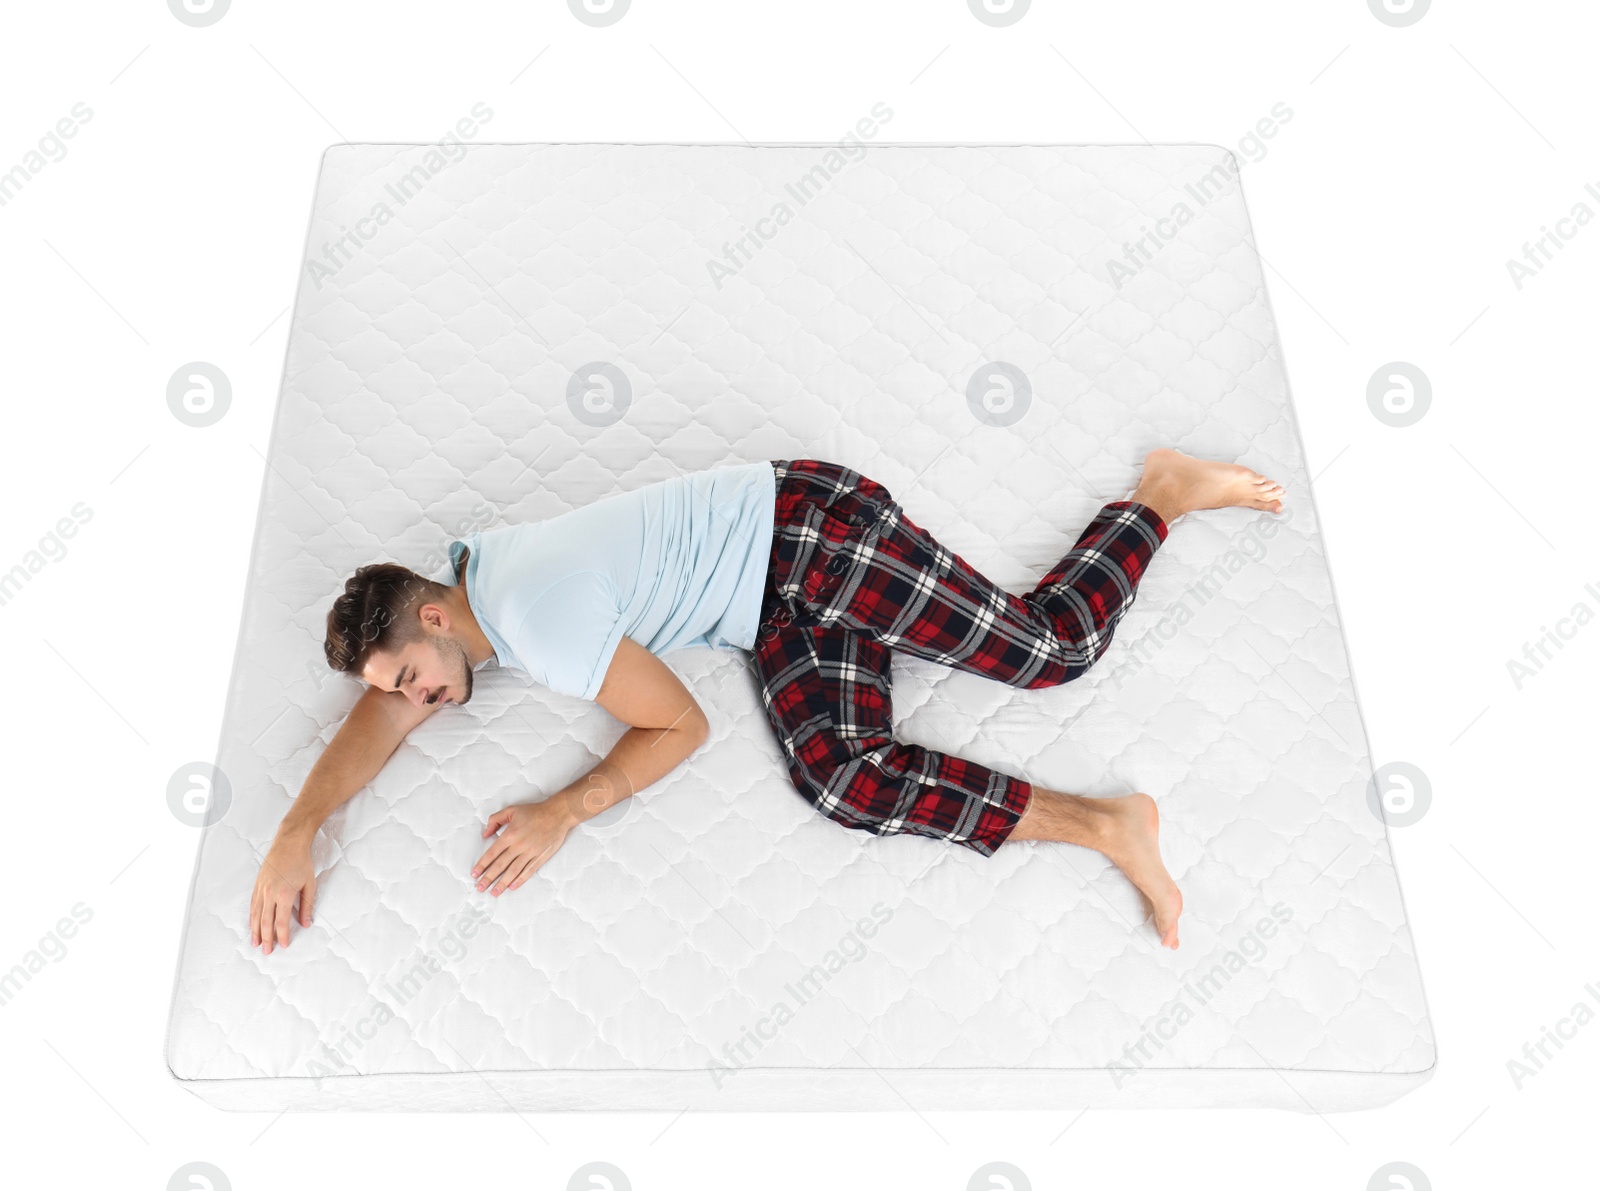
x=432, y=670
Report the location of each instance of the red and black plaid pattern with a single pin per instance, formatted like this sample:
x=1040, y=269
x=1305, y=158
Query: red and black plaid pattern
x=851, y=578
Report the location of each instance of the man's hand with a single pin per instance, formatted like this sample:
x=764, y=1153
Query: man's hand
x=370, y=733
x=667, y=725
x=534, y=832
x=285, y=874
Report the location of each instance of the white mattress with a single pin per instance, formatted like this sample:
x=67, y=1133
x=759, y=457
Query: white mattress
x=425, y=394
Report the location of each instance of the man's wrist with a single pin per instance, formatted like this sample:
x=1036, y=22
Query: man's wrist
x=567, y=807
x=585, y=799
x=295, y=833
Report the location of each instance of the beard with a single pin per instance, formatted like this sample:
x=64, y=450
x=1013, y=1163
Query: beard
x=454, y=657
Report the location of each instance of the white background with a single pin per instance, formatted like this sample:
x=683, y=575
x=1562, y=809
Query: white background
x=1417, y=161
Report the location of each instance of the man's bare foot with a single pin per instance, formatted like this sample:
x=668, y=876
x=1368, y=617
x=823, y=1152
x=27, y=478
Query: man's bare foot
x=1124, y=829
x=1130, y=844
x=1174, y=484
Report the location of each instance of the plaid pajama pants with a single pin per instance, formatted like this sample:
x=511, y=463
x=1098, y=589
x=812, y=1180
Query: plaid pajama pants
x=851, y=578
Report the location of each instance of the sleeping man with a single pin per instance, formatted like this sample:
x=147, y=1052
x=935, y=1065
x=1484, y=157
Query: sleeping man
x=818, y=573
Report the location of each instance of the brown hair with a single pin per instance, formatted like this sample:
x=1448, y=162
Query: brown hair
x=378, y=611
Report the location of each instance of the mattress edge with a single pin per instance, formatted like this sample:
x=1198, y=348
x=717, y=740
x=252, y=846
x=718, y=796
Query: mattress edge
x=834, y=144
x=816, y=1090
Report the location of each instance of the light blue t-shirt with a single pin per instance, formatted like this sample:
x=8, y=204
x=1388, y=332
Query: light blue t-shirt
x=678, y=563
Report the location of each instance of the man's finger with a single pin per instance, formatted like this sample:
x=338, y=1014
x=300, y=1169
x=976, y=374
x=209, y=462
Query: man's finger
x=499, y=865
x=269, y=907
x=255, y=917
x=503, y=815
x=495, y=849
x=532, y=867
x=307, y=896
x=516, y=873
x=512, y=871
x=285, y=909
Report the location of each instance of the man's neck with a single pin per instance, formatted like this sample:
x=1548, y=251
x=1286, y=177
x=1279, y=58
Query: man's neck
x=479, y=648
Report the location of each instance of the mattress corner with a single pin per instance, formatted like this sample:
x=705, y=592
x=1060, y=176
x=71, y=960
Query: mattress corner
x=331, y=149
x=1224, y=153
x=1424, y=1074
x=173, y=1048
x=171, y=1070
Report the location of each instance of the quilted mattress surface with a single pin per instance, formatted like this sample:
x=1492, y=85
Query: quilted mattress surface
x=999, y=334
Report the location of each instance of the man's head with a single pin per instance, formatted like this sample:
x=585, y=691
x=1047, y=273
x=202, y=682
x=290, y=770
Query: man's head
x=399, y=631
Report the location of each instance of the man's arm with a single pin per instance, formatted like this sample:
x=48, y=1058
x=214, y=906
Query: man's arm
x=368, y=737
x=667, y=726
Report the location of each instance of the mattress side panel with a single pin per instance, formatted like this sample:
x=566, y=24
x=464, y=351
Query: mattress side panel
x=809, y=1091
